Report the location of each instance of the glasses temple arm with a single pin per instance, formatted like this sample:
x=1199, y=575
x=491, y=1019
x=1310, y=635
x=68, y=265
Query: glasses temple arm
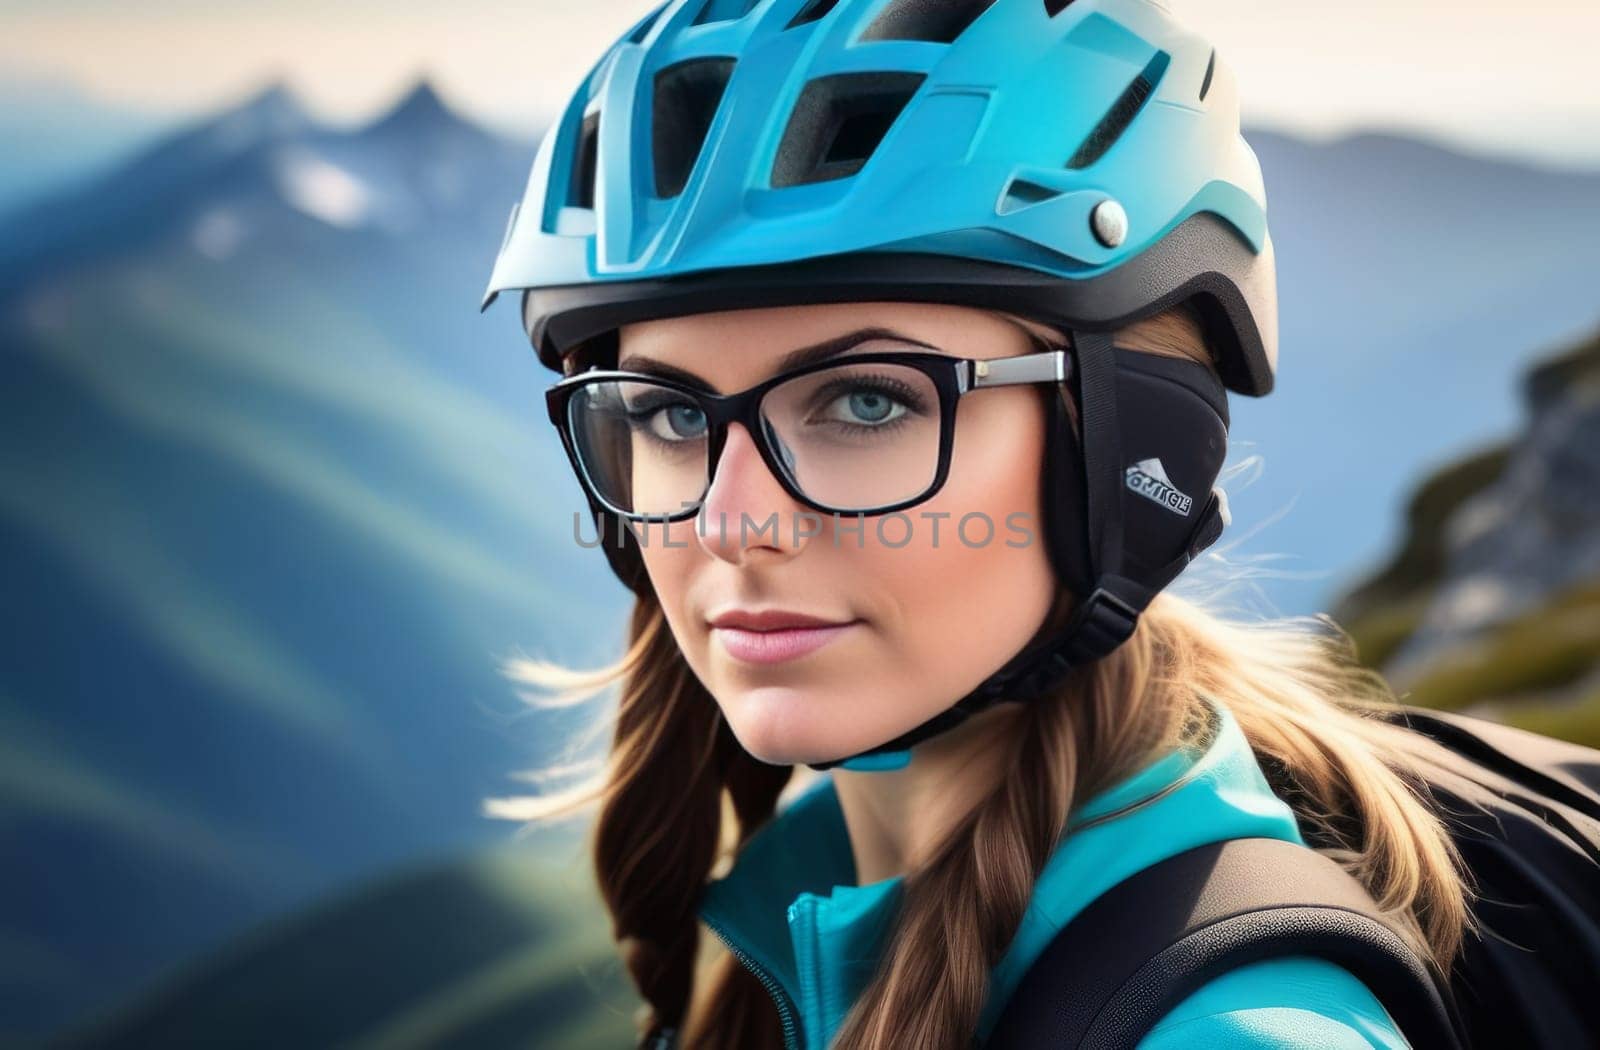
x=1052, y=367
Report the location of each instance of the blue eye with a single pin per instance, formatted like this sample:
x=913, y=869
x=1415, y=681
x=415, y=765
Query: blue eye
x=669, y=421
x=872, y=406
x=686, y=422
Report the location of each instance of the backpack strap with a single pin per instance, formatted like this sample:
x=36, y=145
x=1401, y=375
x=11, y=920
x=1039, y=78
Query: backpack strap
x=1143, y=946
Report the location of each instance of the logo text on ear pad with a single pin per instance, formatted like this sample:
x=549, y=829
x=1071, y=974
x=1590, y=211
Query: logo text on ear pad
x=1149, y=479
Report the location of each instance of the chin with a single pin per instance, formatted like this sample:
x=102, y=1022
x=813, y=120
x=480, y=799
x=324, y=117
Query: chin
x=772, y=744
x=778, y=739
x=782, y=726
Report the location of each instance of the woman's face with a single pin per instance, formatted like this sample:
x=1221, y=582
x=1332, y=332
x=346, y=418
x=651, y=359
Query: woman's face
x=925, y=614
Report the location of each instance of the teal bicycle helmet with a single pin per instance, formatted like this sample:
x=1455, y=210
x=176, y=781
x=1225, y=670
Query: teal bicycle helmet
x=1078, y=162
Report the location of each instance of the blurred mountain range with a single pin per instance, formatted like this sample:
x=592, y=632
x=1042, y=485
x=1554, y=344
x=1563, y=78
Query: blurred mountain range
x=277, y=500
x=54, y=134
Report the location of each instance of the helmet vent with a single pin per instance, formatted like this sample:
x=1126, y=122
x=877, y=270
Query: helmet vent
x=814, y=11
x=723, y=11
x=1121, y=113
x=838, y=123
x=1021, y=193
x=937, y=21
x=1211, y=67
x=580, y=194
x=686, y=99
x=1055, y=7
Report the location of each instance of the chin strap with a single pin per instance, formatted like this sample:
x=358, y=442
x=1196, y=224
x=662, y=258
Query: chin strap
x=1101, y=622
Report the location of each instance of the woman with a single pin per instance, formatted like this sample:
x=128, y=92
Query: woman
x=899, y=336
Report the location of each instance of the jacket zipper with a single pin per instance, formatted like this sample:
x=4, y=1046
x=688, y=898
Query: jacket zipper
x=791, y=1035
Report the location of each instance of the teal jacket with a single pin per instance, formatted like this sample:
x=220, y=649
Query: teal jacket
x=789, y=909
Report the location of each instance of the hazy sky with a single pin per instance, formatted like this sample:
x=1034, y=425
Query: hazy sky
x=1503, y=76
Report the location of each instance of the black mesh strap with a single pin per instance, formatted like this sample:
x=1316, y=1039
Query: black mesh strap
x=1145, y=945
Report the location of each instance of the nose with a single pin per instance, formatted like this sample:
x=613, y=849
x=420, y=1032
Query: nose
x=747, y=513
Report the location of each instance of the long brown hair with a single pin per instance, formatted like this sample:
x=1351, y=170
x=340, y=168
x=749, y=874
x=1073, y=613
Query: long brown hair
x=678, y=797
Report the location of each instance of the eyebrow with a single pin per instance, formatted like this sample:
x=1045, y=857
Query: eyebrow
x=805, y=355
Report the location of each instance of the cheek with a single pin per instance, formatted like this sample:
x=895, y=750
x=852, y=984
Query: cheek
x=979, y=593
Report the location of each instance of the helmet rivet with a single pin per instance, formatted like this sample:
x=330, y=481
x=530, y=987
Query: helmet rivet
x=1109, y=222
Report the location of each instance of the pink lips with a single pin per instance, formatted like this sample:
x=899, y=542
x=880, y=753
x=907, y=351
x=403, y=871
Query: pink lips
x=774, y=636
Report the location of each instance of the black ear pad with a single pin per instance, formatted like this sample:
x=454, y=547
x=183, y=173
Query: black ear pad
x=1172, y=416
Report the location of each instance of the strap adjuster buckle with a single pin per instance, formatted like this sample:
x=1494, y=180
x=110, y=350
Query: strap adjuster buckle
x=1106, y=621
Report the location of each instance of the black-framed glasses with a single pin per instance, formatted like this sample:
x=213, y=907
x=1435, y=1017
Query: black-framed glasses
x=869, y=433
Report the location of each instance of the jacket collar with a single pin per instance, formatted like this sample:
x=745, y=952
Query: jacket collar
x=791, y=909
